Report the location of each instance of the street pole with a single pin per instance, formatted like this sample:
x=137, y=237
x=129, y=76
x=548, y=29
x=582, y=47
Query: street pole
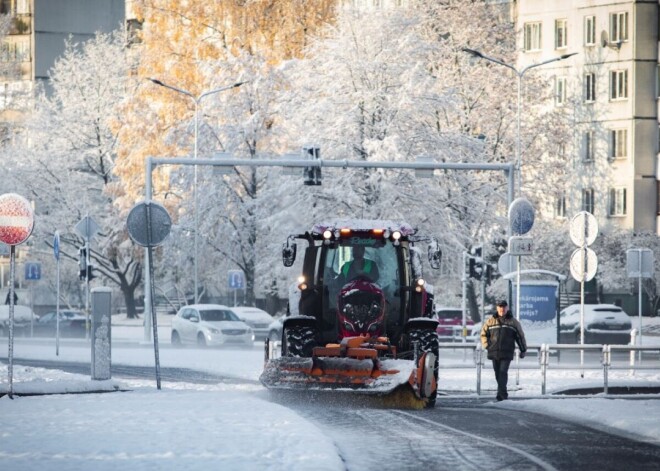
x=196, y=100
x=520, y=74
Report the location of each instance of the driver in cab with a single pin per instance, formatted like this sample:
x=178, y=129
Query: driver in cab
x=359, y=267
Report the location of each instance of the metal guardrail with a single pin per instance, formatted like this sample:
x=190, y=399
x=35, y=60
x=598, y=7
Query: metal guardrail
x=273, y=350
x=544, y=353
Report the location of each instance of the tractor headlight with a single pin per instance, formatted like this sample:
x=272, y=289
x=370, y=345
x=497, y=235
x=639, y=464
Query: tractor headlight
x=420, y=285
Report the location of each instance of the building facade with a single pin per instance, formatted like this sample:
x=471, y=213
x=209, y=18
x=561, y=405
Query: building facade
x=612, y=87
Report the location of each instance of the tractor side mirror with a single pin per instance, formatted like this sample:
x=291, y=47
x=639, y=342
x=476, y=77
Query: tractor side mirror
x=435, y=255
x=289, y=253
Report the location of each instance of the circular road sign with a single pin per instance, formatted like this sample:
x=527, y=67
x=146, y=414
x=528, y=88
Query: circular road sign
x=16, y=219
x=584, y=229
x=506, y=263
x=148, y=224
x=521, y=216
x=584, y=264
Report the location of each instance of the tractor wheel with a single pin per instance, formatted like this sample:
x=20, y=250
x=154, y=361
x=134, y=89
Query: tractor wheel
x=428, y=342
x=299, y=341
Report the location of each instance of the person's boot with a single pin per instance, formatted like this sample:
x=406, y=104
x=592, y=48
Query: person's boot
x=498, y=397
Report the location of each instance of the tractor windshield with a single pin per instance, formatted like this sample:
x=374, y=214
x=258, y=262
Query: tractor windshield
x=367, y=259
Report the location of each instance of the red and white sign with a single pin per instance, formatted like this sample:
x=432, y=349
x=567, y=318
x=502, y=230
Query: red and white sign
x=16, y=219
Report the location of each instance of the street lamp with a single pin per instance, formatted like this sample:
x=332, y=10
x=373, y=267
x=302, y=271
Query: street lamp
x=520, y=74
x=196, y=100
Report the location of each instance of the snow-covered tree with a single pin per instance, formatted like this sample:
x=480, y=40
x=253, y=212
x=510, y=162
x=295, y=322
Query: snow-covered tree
x=69, y=169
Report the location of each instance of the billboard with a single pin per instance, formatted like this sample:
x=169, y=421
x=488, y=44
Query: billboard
x=538, y=300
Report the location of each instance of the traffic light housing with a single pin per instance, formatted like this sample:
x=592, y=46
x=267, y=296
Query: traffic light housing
x=312, y=175
x=476, y=263
x=475, y=269
x=86, y=271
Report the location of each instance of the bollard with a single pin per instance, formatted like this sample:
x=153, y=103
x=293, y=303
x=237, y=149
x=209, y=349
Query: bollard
x=101, y=334
x=478, y=352
x=543, y=359
x=633, y=342
x=607, y=361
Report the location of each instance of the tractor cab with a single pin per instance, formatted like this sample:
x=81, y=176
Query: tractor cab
x=361, y=278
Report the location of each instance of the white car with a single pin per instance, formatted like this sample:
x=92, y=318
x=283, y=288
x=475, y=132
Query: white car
x=210, y=325
x=256, y=318
x=603, y=323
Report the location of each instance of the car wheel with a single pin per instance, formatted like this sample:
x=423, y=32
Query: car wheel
x=201, y=340
x=176, y=340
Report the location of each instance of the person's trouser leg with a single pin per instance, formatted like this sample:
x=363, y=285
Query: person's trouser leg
x=501, y=368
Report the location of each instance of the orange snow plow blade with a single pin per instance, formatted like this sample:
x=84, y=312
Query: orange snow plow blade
x=353, y=364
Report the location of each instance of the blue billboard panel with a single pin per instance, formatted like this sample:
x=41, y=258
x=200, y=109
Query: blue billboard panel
x=538, y=302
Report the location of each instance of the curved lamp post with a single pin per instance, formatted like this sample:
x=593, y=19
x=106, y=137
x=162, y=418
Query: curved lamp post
x=196, y=100
x=520, y=73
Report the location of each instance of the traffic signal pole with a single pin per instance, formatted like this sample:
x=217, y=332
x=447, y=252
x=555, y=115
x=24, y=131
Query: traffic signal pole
x=153, y=162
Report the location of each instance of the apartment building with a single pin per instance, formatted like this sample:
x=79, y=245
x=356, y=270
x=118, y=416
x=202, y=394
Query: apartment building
x=612, y=86
x=35, y=38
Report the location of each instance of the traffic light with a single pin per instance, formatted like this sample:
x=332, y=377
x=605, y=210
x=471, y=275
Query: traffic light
x=475, y=269
x=88, y=274
x=86, y=271
x=312, y=175
x=476, y=262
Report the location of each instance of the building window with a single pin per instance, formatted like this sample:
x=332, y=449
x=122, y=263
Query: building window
x=589, y=30
x=560, y=91
x=619, y=84
x=560, y=207
x=618, y=143
x=532, y=37
x=619, y=27
x=561, y=31
x=588, y=155
x=589, y=87
x=588, y=200
x=617, y=202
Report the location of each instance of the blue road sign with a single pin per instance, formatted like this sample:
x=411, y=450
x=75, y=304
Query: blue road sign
x=32, y=271
x=236, y=279
x=56, y=245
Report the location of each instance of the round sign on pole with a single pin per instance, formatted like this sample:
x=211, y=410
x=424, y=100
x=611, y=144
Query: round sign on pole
x=584, y=264
x=16, y=219
x=56, y=245
x=521, y=216
x=506, y=263
x=584, y=229
x=148, y=224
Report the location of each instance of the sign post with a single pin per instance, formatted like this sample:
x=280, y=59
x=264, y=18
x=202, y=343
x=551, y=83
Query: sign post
x=639, y=264
x=32, y=273
x=56, y=253
x=584, y=262
x=16, y=224
x=87, y=228
x=149, y=224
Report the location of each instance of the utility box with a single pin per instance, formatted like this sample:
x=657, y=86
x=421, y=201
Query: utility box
x=101, y=333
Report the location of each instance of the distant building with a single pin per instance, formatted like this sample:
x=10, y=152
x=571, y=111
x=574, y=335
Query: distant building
x=613, y=85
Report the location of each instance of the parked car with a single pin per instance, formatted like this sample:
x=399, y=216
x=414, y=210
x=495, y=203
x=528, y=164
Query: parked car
x=72, y=324
x=450, y=322
x=23, y=315
x=256, y=318
x=209, y=325
x=603, y=323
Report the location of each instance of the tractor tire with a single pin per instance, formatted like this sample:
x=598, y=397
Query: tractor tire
x=299, y=341
x=428, y=342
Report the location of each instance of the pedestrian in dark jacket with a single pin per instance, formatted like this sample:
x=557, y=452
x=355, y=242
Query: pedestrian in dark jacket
x=499, y=336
